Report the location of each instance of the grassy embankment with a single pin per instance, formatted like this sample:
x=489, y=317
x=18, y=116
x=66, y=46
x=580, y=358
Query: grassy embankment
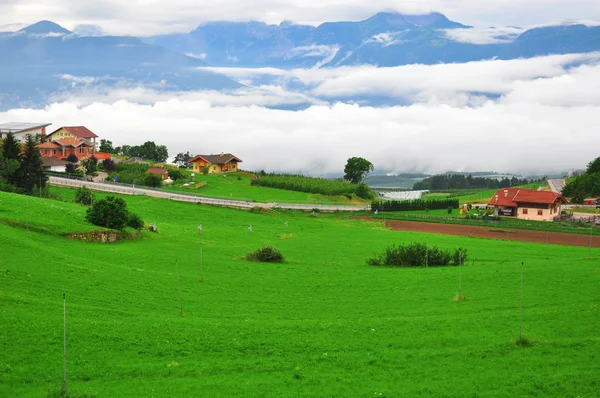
x=322, y=324
x=237, y=186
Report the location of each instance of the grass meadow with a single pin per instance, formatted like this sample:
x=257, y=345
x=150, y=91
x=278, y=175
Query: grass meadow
x=237, y=186
x=321, y=324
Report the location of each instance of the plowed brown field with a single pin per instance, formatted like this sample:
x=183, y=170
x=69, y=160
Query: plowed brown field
x=491, y=232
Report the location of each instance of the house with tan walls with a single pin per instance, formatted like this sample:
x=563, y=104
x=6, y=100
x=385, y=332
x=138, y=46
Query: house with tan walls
x=527, y=204
x=223, y=163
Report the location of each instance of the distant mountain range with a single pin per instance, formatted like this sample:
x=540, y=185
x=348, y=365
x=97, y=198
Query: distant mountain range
x=386, y=39
x=44, y=59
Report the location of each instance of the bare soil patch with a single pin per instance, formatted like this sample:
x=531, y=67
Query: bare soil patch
x=495, y=232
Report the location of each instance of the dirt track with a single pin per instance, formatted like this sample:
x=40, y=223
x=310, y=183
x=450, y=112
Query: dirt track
x=495, y=232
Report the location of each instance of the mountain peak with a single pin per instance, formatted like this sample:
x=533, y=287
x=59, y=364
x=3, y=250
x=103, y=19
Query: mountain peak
x=44, y=28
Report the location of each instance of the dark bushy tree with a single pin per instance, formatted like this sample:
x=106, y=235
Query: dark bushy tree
x=182, y=159
x=70, y=168
x=357, y=169
x=11, y=163
x=153, y=180
x=72, y=158
x=109, y=165
x=31, y=171
x=110, y=212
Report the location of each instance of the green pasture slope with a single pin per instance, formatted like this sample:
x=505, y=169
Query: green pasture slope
x=321, y=324
x=227, y=186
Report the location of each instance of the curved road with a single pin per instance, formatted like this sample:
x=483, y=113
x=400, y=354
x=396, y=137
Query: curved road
x=126, y=190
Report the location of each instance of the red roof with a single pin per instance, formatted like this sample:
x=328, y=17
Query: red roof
x=70, y=142
x=223, y=158
x=155, y=170
x=102, y=155
x=77, y=131
x=511, y=197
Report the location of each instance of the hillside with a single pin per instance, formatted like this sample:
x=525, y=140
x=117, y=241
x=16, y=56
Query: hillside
x=321, y=324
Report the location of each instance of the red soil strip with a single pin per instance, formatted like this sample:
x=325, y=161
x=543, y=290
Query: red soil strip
x=495, y=232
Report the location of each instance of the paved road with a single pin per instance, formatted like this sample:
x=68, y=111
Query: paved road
x=126, y=190
x=556, y=184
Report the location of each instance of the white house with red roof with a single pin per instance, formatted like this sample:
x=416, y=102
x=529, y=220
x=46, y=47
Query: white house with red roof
x=527, y=204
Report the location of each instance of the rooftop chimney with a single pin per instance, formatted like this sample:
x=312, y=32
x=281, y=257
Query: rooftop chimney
x=506, y=193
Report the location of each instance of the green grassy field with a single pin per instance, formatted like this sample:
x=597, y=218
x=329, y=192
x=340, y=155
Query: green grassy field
x=322, y=324
x=227, y=186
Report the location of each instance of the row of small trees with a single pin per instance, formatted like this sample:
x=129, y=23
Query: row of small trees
x=148, y=150
x=417, y=204
x=586, y=185
x=21, y=166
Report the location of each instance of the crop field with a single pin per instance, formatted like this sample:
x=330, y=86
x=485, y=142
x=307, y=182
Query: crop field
x=323, y=323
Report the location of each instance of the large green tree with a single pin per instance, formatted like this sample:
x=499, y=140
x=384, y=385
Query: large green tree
x=357, y=169
x=106, y=146
x=11, y=160
x=31, y=172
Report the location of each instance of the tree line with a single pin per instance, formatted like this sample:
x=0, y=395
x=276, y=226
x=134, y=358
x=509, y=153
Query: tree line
x=21, y=167
x=586, y=185
x=459, y=181
x=148, y=150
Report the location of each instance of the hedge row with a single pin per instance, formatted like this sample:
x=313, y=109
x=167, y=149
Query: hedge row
x=417, y=204
x=306, y=184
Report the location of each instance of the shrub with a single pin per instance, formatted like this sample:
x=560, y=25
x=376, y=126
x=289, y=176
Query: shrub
x=84, y=195
x=449, y=210
x=266, y=254
x=72, y=158
x=110, y=212
x=363, y=191
x=153, y=180
x=70, y=168
x=176, y=174
x=135, y=221
x=109, y=165
x=417, y=255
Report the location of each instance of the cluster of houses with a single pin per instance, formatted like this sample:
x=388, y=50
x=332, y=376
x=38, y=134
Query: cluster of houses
x=80, y=141
x=56, y=146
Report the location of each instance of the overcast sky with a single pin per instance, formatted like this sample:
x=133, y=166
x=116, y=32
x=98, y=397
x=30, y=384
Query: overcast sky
x=147, y=17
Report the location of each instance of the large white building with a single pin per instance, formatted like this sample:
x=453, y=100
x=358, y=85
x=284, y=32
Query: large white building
x=20, y=130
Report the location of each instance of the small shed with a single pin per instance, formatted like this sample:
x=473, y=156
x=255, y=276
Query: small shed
x=158, y=171
x=54, y=164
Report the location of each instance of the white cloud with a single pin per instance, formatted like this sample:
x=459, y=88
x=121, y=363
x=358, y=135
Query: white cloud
x=444, y=83
x=542, y=120
x=491, y=35
x=149, y=17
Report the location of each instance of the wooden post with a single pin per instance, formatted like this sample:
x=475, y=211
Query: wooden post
x=201, y=279
x=64, y=382
x=521, y=306
x=178, y=288
x=459, y=271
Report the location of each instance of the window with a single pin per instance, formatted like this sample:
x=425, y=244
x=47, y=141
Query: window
x=524, y=211
x=540, y=212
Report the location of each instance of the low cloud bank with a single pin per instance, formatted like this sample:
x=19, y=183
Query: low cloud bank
x=540, y=118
